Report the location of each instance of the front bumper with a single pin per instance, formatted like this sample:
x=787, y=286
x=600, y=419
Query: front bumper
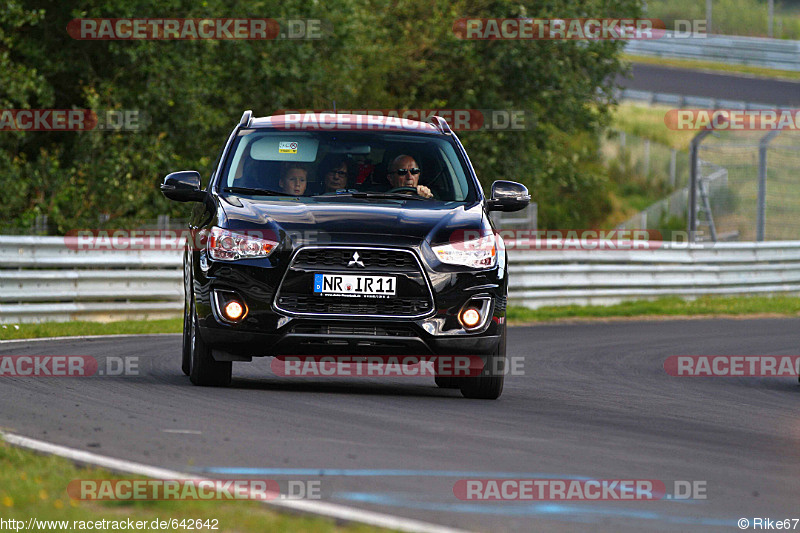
x=268, y=330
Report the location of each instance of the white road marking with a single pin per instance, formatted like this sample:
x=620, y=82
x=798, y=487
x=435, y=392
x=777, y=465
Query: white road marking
x=183, y=431
x=330, y=510
x=87, y=337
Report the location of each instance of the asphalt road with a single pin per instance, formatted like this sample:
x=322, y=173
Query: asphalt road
x=594, y=402
x=712, y=85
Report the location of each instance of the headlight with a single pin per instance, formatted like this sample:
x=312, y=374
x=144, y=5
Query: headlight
x=476, y=253
x=224, y=245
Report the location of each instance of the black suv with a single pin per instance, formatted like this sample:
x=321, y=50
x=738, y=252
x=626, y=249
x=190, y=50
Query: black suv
x=344, y=235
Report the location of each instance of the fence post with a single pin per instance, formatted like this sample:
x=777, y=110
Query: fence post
x=40, y=225
x=673, y=160
x=761, y=221
x=693, y=168
x=770, y=17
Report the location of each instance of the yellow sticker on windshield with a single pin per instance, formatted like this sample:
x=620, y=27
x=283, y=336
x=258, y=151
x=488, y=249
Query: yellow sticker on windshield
x=285, y=147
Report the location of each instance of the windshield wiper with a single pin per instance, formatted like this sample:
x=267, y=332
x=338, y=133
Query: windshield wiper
x=251, y=190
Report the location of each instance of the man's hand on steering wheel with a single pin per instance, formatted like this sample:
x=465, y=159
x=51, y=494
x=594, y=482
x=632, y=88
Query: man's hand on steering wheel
x=420, y=190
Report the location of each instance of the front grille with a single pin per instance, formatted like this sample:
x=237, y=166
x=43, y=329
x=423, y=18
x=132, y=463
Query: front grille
x=413, y=298
x=340, y=305
x=332, y=329
x=337, y=258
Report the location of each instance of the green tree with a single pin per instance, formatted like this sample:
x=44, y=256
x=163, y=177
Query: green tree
x=398, y=54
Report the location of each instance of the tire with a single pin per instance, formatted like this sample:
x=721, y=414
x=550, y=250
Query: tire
x=186, y=349
x=447, y=382
x=489, y=385
x=204, y=370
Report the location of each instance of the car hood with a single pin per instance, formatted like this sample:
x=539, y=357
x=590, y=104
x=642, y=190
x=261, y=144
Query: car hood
x=437, y=223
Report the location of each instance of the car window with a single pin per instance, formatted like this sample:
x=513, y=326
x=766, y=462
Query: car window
x=317, y=164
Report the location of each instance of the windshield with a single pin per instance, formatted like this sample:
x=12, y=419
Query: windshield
x=345, y=166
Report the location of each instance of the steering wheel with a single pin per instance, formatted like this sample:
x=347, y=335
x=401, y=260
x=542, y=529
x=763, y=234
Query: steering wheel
x=412, y=190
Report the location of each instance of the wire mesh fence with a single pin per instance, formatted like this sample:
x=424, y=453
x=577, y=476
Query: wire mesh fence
x=630, y=155
x=748, y=186
x=759, y=197
x=644, y=168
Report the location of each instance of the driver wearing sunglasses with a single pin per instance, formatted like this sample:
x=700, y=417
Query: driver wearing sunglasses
x=404, y=172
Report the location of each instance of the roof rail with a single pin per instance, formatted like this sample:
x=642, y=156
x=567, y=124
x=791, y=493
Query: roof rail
x=441, y=124
x=246, y=118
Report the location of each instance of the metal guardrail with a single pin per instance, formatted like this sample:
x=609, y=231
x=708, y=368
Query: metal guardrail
x=602, y=277
x=682, y=101
x=527, y=218
x=43, y=280
x=757, y=51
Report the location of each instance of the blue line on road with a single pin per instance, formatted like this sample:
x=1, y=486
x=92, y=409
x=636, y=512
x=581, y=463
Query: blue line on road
x=575, y=513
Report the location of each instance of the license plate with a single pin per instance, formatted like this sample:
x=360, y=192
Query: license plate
x=352, y=285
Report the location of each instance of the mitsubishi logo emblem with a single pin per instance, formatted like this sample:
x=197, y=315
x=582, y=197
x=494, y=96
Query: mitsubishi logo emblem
x=355, y=261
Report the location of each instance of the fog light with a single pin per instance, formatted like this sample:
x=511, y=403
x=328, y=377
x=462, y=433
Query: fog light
x=233, y=310
x=470, y=317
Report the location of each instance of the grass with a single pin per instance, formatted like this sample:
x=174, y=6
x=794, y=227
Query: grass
x=735, y=205
x=635, y=184
x=647, y=122
x=729, y=68
x=671, y=306
x=730, y=17
x=34, y=486
x=61, y=329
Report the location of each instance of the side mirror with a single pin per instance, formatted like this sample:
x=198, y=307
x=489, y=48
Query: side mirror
x=508, y=196
x=183, y=186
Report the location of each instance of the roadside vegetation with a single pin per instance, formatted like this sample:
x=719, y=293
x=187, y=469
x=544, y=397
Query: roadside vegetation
x=35, y=486
x=731, y=17
x=630, y=186
x=77, y=328
x=647, y=122
x=372, y=55
x=712, y=306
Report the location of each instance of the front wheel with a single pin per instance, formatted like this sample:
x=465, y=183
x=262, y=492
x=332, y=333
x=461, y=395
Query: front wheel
x=489, y=385
x=186, y=349
x=188, y=309
x=204, y=370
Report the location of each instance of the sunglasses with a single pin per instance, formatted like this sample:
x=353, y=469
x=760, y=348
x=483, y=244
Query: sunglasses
x=339, y=173
x=403, y=171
